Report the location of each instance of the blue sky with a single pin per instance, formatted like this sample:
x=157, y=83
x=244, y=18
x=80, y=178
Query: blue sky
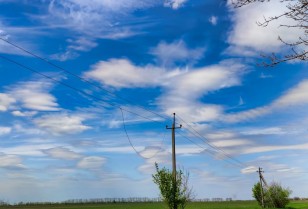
x=63, y=138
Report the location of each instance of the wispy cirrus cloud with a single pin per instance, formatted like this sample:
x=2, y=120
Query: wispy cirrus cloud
x=75, y=46
x=174, y=4
x=265, y=131
x=11, y=33
x=296, y=96
x=169, y=54
x=93, y=20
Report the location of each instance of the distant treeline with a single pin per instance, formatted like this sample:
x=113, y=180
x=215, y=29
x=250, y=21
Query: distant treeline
x=114, y=200
x=119, y=200
x=90, y=201
x=111, y=200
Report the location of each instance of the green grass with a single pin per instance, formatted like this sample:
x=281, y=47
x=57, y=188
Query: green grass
x=298, y=205
x=194, y=205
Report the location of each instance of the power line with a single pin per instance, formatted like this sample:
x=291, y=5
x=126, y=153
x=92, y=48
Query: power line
x=204, y=149
x=92, y=96
x=75, y=89
x=78, y=77
x=206, y=141
x=97, y=86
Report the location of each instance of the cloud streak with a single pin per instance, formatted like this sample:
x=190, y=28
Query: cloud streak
x=296, y=96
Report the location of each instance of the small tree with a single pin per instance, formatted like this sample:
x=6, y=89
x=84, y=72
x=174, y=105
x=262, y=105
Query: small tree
x=256, y=193
x=275, y=196
x=174, y=194
x=279, y=195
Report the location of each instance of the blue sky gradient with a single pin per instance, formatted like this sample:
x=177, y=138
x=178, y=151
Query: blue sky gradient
x=61, y=125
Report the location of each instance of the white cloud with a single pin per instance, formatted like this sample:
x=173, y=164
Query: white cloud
x=170, y=53
x=174, y=4
x=184, y=90
x=62, y=123
x=183, y=87
x=264, y=76
x=93, y=18
x=34, y=95
x=246, y=115
x=157, y=155
x=249, y=169
x=121, y=73
x=247, y=38
x=265, y=131
x=5, y=101
x=5, y=130
x=10, y=161
x=25, y=129
x=67, y=55
x=270, y=148
x=213, y=20
x=62, y=153
x=5, y=47
x=81, y=44
x=231, y=143
x=24, y=114
x=296, y=96
x=12, y=34
x=31, y=149
x=91, y=162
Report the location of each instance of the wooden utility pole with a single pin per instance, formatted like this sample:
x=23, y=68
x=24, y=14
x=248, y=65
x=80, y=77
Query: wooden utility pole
x=261, y=179
x=173, y=155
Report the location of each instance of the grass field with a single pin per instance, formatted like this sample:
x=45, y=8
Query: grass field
x=194, y=205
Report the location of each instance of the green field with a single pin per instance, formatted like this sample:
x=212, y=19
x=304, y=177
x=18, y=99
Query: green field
x=194, y=205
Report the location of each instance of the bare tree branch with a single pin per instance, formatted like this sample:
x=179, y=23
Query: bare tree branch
x=297, y=11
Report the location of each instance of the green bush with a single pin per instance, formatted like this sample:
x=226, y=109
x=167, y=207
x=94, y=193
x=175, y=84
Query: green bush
x=275, y=196
x=174, y=194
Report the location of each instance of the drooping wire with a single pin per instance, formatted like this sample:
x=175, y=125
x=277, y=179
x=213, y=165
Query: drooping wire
x=130, y=142
x=88, y=95
x=78, y=77
x=85, y=93
x=97, y=86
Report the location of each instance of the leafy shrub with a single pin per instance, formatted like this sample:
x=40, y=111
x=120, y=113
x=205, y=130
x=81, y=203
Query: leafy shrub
x=275, y=196
x=174, y=194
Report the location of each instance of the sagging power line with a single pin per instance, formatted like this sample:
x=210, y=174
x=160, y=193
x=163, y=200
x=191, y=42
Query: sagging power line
x=97, y=98
x=78, y=77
